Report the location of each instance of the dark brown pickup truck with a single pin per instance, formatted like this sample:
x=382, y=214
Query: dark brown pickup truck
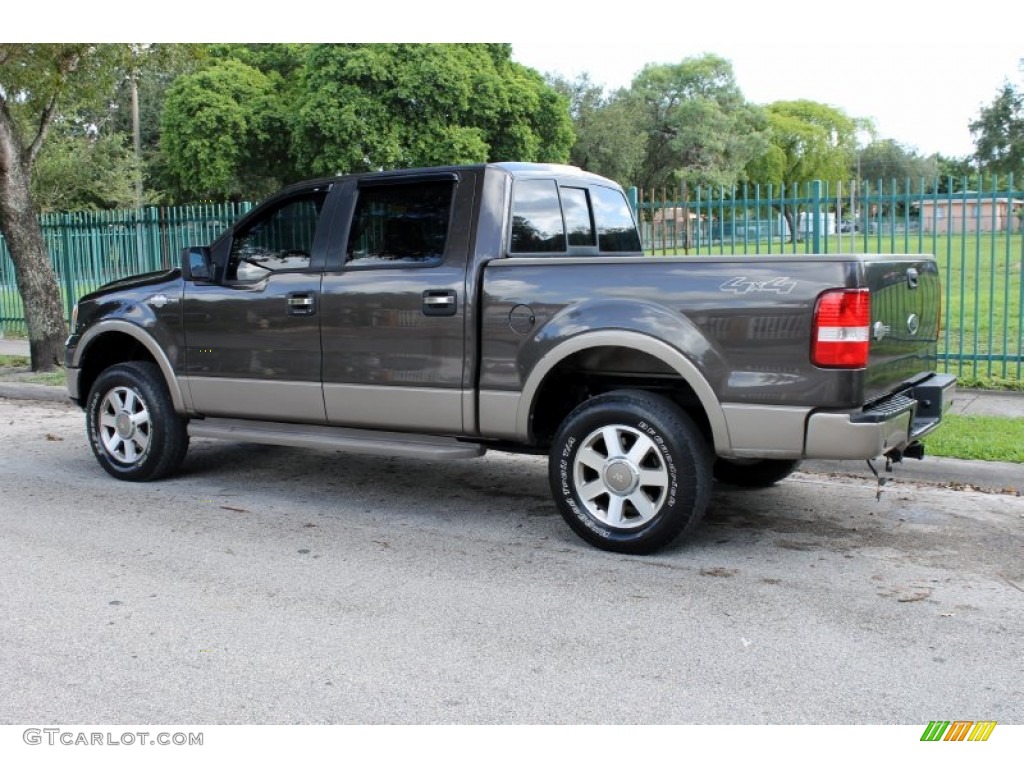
x=439, y=312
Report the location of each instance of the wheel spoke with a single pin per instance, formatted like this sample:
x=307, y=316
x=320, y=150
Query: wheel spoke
x=612, y=442
x=615, y=504
x=644, y=506
x=592, y=490
x=640, y=449
x=141, y=418
x=591, y=458
x=108, y=420
x=130, y=401
x=653, y=477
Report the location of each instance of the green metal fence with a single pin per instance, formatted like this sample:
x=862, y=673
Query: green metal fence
x=976, y=236
x=90, y=248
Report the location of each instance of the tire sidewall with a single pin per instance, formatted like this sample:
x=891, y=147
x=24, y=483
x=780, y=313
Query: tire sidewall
x=680, y=446
x=130, y=376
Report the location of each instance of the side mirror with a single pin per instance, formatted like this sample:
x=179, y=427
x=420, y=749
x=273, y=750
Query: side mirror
x=196, y=264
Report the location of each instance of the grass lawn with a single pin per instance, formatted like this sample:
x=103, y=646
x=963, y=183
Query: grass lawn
x=984, y=438
x=16, y=368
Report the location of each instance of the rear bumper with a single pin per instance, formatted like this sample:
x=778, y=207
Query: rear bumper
x=887, y=426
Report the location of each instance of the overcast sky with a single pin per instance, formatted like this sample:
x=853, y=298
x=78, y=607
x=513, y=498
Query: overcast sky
x=919, y=70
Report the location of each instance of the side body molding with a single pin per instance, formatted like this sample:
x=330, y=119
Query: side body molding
x=180, y=397
x=632, y=340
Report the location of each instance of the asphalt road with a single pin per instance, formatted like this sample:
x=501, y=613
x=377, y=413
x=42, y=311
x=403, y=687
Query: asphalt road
x=272, y=585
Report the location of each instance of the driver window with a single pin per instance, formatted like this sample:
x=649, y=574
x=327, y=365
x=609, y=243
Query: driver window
x=281, y=239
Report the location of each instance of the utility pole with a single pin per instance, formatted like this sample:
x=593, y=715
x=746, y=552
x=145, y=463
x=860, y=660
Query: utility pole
x=137, y=138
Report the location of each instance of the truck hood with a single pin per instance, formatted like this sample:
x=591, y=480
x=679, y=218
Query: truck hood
x=147, y=279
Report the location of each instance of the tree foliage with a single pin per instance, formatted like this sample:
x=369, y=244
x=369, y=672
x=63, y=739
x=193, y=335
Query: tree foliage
x=999, y=133
x=224, y=132
x=888, y=159
x=81, y=171
x=698, y=125
x=609, y=137
x=376, y=106
x=809, y=141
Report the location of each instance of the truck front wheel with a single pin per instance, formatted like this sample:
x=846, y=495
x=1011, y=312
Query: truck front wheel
x=630, y=471
x=133, y=429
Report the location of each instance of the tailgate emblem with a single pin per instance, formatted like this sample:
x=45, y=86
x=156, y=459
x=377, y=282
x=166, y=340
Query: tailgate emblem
x=881, y=330
x=913, y=324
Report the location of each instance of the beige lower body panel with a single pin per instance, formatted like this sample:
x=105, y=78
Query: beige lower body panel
x=834, y=436
x=778, y=432
x=299, y=401
x=765, y=431
x=413, y=409
x=499, y=413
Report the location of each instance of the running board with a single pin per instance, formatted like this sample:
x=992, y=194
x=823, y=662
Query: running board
x=335, y=438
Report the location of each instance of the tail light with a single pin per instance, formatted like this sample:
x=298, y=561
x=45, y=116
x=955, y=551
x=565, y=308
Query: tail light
x=842, y=329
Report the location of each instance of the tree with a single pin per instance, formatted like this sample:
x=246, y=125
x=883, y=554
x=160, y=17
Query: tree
x=956, y=174
x=887, y=159
x=39, y=83
x=225, y=132
x=699, y=128
x=609, y=137
x=374, y=106
x=809, y=141
x=999, y=133
x=85, y=171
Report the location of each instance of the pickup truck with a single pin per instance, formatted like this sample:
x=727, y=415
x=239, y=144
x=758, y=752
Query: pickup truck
x=440, y=312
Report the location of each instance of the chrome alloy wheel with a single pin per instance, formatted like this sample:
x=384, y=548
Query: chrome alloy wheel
x=124, y=425
x=620, y=476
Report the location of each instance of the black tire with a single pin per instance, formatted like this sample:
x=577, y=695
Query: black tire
x=639, y=496
x=754, y=473
x=133, y=429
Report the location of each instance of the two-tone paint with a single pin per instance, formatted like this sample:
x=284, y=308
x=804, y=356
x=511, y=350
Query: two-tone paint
x=729, y=337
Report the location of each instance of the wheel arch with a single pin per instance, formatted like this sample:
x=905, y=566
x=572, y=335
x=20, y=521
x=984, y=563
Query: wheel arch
x=652, y=364
x=117, y=341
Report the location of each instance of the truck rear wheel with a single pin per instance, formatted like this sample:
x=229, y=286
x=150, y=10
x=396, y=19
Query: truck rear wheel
x=630, y=472
x=133, y=429
x=754, y=473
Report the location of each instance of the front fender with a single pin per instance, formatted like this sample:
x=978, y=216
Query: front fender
x=182, y=401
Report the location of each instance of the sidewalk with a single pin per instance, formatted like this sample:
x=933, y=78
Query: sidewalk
x=14, y=347
x=987, y=475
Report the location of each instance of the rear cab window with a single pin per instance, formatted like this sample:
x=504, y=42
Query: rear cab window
x=570, y=219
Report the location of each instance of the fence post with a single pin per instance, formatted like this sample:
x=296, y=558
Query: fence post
x=65, y=264
x=816, y=216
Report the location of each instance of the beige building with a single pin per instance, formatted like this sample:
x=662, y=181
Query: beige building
x=971, y=214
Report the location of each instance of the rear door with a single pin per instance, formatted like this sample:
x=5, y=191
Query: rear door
x=394, y=305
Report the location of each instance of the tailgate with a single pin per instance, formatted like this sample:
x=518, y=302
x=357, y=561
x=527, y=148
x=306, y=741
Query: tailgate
x=905, y=316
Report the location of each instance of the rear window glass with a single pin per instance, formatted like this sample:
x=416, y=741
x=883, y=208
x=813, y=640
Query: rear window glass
x=616, y=231
x=576, y=207
x=537, y=218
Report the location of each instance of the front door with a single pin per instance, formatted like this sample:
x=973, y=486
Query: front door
x=253, y=337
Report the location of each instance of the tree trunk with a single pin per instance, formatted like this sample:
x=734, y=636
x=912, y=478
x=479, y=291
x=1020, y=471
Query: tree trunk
x=789, y=213
x=33, y=272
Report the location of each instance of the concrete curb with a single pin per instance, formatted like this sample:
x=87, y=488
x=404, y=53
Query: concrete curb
x=16, y=391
